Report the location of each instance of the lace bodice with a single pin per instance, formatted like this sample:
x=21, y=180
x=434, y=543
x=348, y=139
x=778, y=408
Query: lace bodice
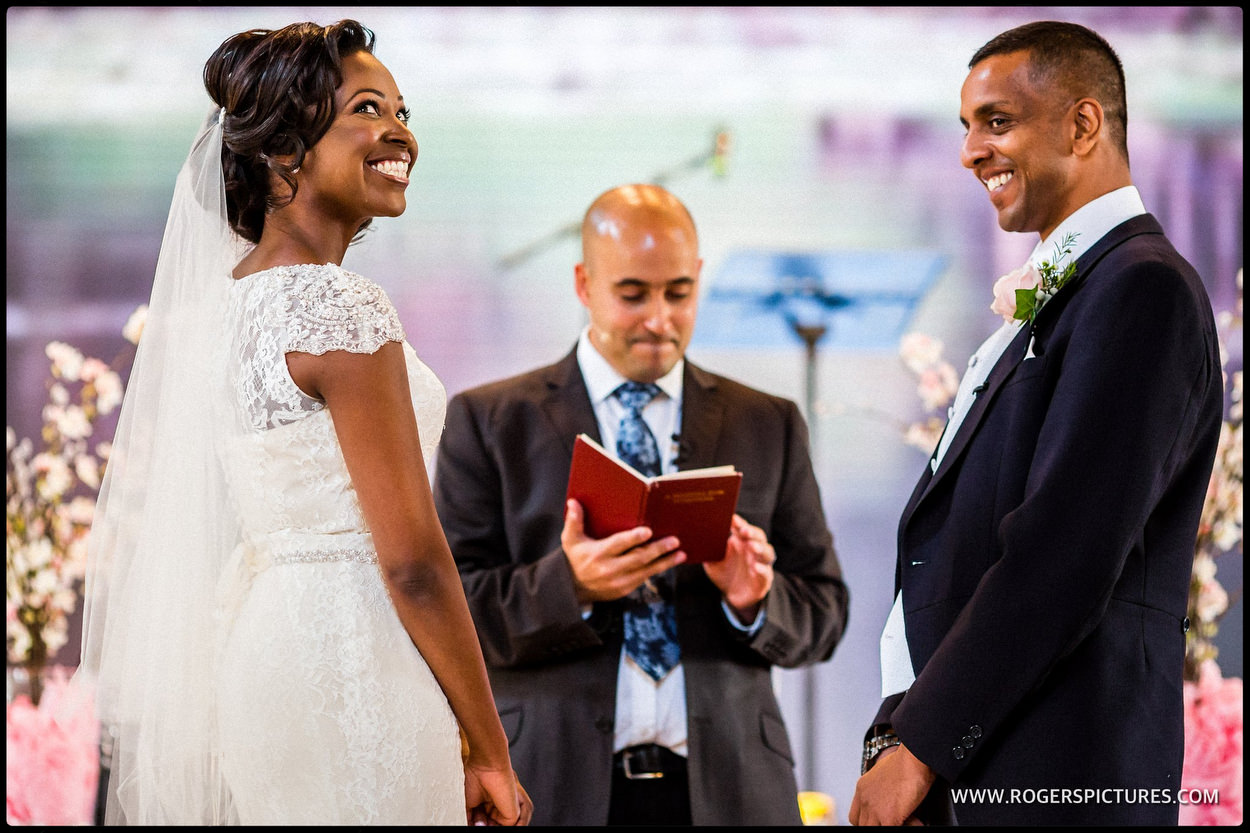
x=284, y=464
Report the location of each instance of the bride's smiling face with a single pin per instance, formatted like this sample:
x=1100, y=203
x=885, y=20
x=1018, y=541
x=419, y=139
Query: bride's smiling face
x=359, y=169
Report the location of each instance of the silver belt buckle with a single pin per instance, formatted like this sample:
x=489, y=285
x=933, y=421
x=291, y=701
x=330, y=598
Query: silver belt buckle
x=637, y=776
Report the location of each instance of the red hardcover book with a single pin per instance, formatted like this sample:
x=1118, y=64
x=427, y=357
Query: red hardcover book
x=697, y=505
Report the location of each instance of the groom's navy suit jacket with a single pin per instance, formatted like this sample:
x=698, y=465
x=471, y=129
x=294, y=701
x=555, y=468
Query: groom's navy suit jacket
x=503, y=469
x=1045, y=565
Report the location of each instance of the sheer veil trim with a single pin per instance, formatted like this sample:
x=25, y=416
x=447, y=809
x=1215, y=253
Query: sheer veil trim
x=165, y=527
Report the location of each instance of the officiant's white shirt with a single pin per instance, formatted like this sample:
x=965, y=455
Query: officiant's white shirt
x=1090, y=223
x=646, y=711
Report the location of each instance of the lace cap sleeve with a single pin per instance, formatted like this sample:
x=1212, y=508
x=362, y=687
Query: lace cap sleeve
x=333, y=309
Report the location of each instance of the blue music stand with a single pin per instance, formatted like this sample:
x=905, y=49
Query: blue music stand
x=856, y=300
x=863, y=299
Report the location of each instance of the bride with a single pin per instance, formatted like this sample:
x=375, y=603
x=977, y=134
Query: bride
x=274, y=626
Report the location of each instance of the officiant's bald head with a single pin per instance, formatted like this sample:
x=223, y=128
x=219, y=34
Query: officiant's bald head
x=638, y=278
x=633, y=207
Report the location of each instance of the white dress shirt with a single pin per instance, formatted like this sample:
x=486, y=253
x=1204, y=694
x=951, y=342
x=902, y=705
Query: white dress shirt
x=647, y=711
x=1090, y=223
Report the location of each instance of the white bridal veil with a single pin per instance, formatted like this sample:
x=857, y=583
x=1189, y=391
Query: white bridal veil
x=164, y=526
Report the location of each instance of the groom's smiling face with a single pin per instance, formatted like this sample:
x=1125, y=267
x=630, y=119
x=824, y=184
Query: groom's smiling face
x=1016, y=143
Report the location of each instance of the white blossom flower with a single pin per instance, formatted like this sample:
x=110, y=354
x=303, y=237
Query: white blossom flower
x=1204, y=568
x=88, y=470
x=938, y=385
x=65, y=598
x=44, y=582
x=919, y=351
x=52, y=413
x=56, y=476
x=1212, y=601
x=18, y=639
x=1226, y=535
x=56, y=634
x=92, y=369
x=72, y=423
x=39, y=555
x=66, y=360
x=134, y=325
x=15, y=561
x=108, y=388
x=75, y=564
x=47, y=529
x=81, y=510
x=924, y=435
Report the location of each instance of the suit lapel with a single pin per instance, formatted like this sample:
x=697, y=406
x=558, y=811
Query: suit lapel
x=701, y=414
x=922, y=486
x=567, y=404
x=1088, y=262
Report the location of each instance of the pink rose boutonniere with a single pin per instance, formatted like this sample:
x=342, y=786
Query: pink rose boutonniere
x=1019, y=295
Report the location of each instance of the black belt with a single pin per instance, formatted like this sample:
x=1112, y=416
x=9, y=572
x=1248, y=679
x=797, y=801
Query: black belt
x=648, y=761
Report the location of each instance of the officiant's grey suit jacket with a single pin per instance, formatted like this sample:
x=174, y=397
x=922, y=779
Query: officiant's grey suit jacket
x=500, y=482
x=1045, y=564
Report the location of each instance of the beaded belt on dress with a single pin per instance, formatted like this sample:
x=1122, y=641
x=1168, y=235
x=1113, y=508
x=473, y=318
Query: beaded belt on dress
x=303, y=557
x=311, y=548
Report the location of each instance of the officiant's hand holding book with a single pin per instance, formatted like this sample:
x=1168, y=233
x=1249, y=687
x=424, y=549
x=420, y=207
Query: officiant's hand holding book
x=696, y=506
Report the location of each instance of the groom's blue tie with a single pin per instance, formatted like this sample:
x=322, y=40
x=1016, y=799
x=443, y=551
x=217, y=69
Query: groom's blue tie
x=650, y=623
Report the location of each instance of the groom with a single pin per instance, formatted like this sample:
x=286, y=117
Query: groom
x=1037, y=642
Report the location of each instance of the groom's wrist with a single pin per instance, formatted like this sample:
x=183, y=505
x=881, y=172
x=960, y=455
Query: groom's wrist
x=879, y=739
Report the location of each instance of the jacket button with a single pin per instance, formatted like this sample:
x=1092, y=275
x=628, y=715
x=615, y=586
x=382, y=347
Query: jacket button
x=1185, y=625
x=974, y=730
x=968, y=742
x=958, y=752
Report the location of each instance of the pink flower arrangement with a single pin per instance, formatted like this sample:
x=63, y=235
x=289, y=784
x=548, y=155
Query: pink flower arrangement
x=51, y=756
x=1213, y=718
x=1213, y=747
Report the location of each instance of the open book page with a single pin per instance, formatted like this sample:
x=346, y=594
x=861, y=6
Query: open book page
x=710, y=470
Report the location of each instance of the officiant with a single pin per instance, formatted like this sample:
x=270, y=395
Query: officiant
x=635, y=688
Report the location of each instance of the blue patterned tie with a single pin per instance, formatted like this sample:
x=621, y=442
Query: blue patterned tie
x=650, y=623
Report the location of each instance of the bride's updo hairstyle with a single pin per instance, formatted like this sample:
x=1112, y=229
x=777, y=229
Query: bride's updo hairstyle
x=277, y=87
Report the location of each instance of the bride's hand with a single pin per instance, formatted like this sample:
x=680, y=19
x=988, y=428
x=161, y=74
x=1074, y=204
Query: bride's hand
x=495, y=797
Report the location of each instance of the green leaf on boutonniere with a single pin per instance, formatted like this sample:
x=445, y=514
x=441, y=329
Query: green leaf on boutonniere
x=1026, y=304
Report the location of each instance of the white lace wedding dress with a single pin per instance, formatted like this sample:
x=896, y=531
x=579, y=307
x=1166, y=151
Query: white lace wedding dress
x=327, y=713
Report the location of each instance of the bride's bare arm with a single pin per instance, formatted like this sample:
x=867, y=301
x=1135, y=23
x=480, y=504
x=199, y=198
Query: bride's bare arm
x=369, y=400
